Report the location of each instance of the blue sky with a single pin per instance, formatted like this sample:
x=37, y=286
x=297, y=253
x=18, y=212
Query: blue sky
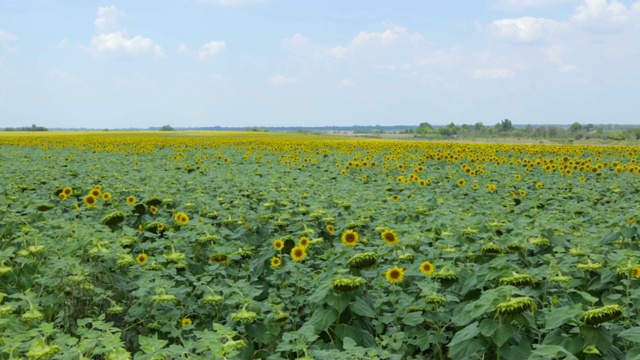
x=192, y=63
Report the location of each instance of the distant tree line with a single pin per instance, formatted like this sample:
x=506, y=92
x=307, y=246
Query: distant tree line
x=505, y=128
x=32, y=128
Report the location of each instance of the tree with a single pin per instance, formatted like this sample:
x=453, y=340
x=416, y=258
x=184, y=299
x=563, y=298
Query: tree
x=167, y=128
x=505, y=125
x=575, y=127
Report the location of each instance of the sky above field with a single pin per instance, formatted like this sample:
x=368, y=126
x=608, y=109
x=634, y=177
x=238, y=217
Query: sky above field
x=193, y=63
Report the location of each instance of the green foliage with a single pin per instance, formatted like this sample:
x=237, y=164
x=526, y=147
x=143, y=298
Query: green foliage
x=549, y=275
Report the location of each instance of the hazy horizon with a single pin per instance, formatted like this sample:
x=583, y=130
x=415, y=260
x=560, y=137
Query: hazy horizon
x=241, y=63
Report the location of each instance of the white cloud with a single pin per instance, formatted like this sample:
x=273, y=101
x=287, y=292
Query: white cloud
x=211, y=48
x=113, y=40
x=107, y=19
x=231, y=2
x=492, y=74
x=283, y=80
x=337, y=52
x=524, y=29
x=118, y=43
x=346, y=83
x=603, y=13
x=518, y=5
x=7, y=36
x=296, y=41
x=183, y=49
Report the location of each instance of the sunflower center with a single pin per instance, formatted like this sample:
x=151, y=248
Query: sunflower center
x=350, y=238
x=389, y=237
x=395, y=274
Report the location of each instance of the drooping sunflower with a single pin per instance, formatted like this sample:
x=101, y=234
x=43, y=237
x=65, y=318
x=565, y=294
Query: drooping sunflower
x=278, y=244
x=106, y=196
x=304, y=242
x=350, y=238
x=131, y=200
x=394, y=274
x=90, y=200
x=330, y=229
x=390, y=237
x=276, y=261
x=298, y=253
x=186, y=322
x=141, y=259
x=461, y=182
x=427, y=268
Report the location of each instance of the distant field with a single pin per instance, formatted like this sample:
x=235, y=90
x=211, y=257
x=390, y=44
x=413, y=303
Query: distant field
x=205, y=245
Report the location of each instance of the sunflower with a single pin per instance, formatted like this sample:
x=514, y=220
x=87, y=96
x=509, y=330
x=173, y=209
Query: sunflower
x=276, y=261
x=141, y=259
x=539, y=185
x=522, y=193
x=182, y=218
x=63, y=196
x=131, y=200
x=95, y=192
x=350, y=238
x=635, y=272
x=518, y=177
x=186, y=322
x=304, y=242
x=68, y=190
x=90, y=200
x=330, y=229
x=75, y=207
x=106, y=196
x=278, y=244
x=390, y=237
x=461, y=182
x=394, y=274
x=153, y=209
x=298, y=253
x=395, y=197
x=427, y=268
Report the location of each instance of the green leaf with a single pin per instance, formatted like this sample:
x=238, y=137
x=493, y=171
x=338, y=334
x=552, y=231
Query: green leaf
x=413, y=319
x=550, y=352
x=610, y=238
x=503, y=334
x=467, y=333
x=323, y=317
x=559, y=316
x=359, y=335
x=488, y=327
x=632, y=334
x=363, y=307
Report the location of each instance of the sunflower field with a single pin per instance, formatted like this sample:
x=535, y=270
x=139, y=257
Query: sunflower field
x=209, y=245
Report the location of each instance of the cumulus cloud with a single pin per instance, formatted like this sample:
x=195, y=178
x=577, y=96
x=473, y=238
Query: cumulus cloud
x=492, y=74
x=7, y=36
x=524, y=29
x=296, y=41
x=112, y=39
x=283, y=80
x=603, y=12
x=518, y=5
x=107, y=19
x=211, y=48
x=120, y=43
x=363, y=38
